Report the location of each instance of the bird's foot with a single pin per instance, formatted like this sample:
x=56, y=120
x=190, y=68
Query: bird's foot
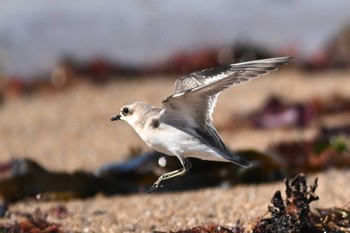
x=154, y=188
x=186, y=165
x=156, y=185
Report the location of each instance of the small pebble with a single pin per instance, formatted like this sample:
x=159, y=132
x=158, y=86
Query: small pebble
x=162, y=161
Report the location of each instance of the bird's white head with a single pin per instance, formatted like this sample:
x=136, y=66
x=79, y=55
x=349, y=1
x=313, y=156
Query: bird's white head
x=132, y=113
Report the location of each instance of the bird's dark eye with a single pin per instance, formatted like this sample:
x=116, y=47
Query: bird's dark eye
x=125, y=111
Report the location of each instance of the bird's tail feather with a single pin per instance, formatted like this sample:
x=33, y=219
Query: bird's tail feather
x=228, y=155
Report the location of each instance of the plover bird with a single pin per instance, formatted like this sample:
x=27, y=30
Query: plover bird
x=184, y=126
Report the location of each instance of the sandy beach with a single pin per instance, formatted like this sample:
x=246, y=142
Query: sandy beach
x=71, y=130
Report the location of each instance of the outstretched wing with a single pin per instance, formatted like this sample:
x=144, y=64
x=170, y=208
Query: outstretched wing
x=195, y=94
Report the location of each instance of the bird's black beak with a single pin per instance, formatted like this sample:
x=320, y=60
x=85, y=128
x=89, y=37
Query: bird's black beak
x=115, y=118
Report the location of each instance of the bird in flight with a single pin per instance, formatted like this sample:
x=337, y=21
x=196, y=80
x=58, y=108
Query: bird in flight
x=184, y=126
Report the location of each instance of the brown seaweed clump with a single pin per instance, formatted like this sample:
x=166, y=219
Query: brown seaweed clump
x=294, y=214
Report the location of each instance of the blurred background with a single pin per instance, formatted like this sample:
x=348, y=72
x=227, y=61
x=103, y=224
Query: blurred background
x=37, y=36
x=67, y=67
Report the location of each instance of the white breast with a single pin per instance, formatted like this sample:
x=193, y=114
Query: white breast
x=171, y=141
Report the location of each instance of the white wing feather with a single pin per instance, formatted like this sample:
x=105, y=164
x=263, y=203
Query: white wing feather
x=195, y=94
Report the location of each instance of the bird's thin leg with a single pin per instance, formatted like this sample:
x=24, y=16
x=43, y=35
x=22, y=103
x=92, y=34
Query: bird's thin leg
x=186, y=165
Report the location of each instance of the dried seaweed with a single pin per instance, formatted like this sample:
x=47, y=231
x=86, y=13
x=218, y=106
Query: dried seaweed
x=337, y=219
x=31, y=222
x=294, y=214
x=126, y=177
x=314, y=155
